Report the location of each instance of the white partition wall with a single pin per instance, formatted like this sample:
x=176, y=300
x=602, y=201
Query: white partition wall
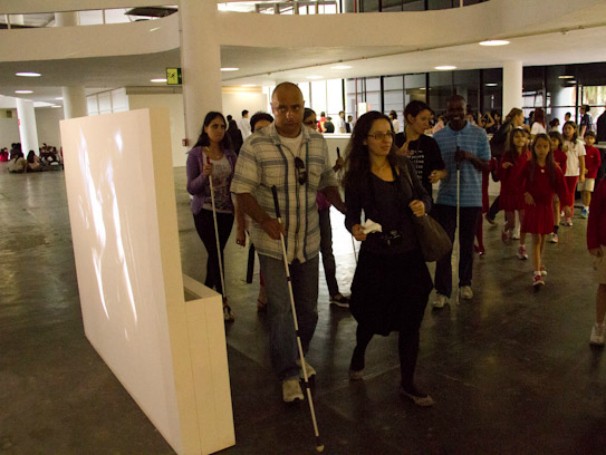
x=168, y=353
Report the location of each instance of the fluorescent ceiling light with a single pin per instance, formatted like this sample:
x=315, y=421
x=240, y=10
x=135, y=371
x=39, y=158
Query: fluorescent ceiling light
x=491, y=84
x=23, y=92
x=55, y=106
x=446, y=67
x=59, y=98
x=341, y=67
x=565, y=76
x=248, y=85
x=28, y=74
x=158, y=80
x=314, y=76
x=229, y=69
x=494, y=42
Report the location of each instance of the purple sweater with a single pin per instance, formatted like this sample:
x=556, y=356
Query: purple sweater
x=198, y=185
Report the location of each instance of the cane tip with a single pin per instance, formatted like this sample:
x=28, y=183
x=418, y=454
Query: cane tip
x=320, y=448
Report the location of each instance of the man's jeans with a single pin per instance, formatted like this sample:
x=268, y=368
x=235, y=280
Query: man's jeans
x=282, y=338
x=447, y=217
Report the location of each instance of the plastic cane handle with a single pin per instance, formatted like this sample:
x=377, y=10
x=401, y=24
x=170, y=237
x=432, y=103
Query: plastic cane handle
x=457, y=158
x=274, y=192
x=338, y=153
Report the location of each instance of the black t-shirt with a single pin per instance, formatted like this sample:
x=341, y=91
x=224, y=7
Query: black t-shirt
x=426, y=157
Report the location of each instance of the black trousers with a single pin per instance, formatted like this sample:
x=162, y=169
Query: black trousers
x=447, y=217
x=206, y=230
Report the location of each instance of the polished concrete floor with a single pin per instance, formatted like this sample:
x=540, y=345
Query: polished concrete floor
x=511, y=371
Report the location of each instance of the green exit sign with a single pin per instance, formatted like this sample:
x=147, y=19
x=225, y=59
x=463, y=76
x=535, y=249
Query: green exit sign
x=173, y=76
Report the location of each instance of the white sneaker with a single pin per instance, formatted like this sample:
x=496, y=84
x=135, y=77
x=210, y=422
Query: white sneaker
x=466, y=292
x=291, y=390
x=440, y=301
x=311, y=371
x=597, y=335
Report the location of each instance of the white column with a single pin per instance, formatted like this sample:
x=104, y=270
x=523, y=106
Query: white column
x=66, y=19
x=74, y=102
x=28, y=130
x=512, y=85
x=200, y=63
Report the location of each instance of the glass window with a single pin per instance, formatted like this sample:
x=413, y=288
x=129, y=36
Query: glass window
x=334, y=97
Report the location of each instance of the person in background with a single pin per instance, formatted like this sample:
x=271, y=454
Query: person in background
x=33, y=162
x=438, y=125
x=554, y=125
x=575, y=165
x=235, y=135
x=294, y=159
x=559, y=158
x=465, y=146
x=593, y=161
x=340, y=124
x=596, y=244
x=393, y=116
x=349, y=124
x=321, y=122
x=329, y=127
x=538, y=126
x=212, y=157
x=244, y=125
x=586, y=123
x=601, y=127
x=422, y=150
x=391, y=284
x=4, y=155
x=258, y=121
x=328, y=258
x=567, y=118
x=18, y=163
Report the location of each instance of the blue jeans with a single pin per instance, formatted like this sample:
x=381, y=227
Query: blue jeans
x=282, y=336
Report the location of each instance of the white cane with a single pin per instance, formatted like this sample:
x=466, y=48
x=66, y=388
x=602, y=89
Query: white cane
x=227, y=313
x=312, y=411
x=458, y=229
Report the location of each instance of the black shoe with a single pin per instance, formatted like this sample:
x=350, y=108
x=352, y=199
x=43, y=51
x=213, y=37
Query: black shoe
x=339, y=300
x=356, y=366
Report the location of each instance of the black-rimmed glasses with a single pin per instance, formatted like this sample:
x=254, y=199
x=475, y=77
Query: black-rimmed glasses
x=381, y=136
x=301, y=171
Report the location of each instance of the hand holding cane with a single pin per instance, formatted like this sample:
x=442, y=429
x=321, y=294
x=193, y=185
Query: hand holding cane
x=227, y=313
x=319, y=445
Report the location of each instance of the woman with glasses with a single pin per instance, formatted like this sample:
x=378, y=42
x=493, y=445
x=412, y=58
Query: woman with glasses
x=391, y=284
x=213, y=157
x=421, y=149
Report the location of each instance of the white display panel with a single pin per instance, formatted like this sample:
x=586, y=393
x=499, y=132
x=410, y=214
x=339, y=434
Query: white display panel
x=123, y=218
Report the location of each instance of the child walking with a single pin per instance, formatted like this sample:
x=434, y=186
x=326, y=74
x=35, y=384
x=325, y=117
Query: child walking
x=541, y=179
x=560, y=159
x=575, y=164
x=512, y=195
x=596, y=244
x=593, y=161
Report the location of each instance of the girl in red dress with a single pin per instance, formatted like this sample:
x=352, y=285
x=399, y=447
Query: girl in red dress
x=541, y=178
x=512, y=196
x=560, y=158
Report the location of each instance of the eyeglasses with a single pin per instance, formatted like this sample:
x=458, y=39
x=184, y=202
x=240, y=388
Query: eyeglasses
x=381, y=136
x=301, y=171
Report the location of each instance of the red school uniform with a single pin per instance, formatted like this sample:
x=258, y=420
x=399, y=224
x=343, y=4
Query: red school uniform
x=560, y=158
x=512, y=194
x=593, y=161
x=596, y=224
x=538, y=218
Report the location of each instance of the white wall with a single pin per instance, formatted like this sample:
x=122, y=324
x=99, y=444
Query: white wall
x=174, y=104
x=9, y=132
x=47, y=121
x=234, y=102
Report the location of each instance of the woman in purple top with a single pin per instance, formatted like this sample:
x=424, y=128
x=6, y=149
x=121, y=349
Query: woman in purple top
x=212, y=156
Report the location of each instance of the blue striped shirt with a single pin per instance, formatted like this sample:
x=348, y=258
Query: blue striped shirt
x=264, y=162
x=470, y=139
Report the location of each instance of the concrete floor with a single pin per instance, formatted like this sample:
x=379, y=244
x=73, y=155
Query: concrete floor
x=511, y=371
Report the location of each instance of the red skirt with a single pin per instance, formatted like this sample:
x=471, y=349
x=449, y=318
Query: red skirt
x=538, y=219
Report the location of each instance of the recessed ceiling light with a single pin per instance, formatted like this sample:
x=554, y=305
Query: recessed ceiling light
x=494, y=42
x=229, y=69
x=59, y=98
x=445, y=68
x=565, y=76
x=314, y=76
x=158, y=80
x=491, y=84
x=23, y=92
x=341, y=67
x=56, y=106
x=28, y=74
